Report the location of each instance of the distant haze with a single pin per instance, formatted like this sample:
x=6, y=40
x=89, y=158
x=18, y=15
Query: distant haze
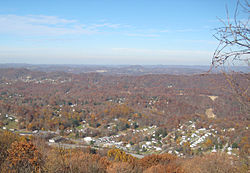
x=123, y=69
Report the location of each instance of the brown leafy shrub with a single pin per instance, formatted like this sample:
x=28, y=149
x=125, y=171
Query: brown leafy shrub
x=154, y=160
x=62, y=160
x=173, y=166
x=121, y=167
x=213, y=163
x=156, y=169
x=119, y=155
x=6, y=139
x=88, y=163
x=23, y=157
x=56, y=160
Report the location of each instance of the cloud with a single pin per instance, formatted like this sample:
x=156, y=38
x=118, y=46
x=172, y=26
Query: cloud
x=37, y=19
x=41, y=25
x=158, y=33
x=142, y=35
x=108, y=25
x=210, y=42
x=179, y=30
x=187, y=30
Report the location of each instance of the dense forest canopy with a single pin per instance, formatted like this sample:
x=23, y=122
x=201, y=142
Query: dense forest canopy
x=182, y=115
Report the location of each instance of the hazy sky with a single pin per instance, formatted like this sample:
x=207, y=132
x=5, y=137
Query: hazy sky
x=110, y=31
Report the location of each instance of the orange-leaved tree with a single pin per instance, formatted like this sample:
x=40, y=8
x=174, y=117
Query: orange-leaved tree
x=120, y=156
x=6, y=139
x=23, y=156
x=153, y=160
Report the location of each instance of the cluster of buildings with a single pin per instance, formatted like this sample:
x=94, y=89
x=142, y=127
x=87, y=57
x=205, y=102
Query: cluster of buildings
x=195, y=139
x=187, y=135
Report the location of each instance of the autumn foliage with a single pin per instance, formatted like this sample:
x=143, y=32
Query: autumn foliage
x=23, y=156
x=214, y=162
x=64, y=160
x=6, y=139
x=120, y=156
x=96, y=105
x=121, y=167
x=153, y=160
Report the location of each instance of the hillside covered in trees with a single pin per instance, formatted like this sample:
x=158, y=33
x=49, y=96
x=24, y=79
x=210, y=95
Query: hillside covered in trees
x=95, y=122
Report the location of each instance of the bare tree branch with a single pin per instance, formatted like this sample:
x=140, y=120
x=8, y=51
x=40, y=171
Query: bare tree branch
x=234, y=47
x=233, y=38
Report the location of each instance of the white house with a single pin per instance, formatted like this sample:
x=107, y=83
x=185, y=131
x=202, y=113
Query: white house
x=158, y=149
x=55, y=139
x=88, y=139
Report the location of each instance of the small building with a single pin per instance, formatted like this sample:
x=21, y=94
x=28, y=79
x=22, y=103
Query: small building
x=214, y=150
x=88, y=140
x=158, y=149
x=55, y=139
x=128, y=146
x=35, y=131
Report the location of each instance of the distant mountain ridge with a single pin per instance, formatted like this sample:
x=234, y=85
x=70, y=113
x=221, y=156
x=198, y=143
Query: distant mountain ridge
x=122, y=69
